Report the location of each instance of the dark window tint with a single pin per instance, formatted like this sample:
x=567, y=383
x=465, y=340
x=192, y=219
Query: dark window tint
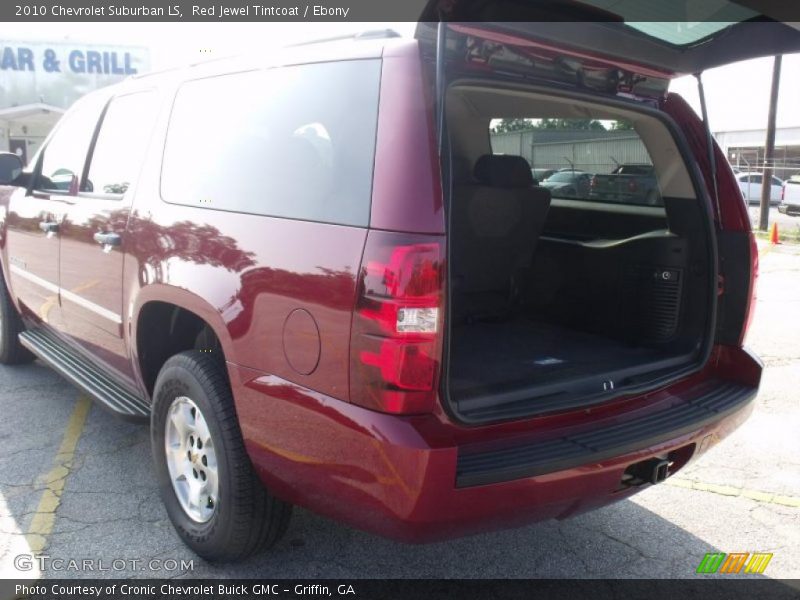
x=121, y=143
x=756, y=179
x=65, y=154
x=293, y=142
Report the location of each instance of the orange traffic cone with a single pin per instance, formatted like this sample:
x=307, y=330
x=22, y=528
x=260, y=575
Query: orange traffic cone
x=773, y=234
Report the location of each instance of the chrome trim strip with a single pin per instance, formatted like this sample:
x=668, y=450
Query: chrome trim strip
x=66, y=294
x=50, y=287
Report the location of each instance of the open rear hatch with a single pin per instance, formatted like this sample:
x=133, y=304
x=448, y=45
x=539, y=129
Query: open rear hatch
x=673, y=38
x=616, y=297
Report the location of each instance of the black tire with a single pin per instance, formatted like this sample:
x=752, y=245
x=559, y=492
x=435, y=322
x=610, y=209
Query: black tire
x=11, y=351
x=247, y=518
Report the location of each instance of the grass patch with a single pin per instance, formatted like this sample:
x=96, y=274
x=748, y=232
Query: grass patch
x=792, y=236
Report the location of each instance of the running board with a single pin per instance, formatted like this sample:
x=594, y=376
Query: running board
x=74, y=367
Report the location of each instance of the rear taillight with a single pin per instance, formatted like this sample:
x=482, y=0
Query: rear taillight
x=751, y=295
x=593, y=182
x=395, y=342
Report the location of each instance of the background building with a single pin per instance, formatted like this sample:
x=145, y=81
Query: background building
x=593, y=151
x=40, y=80
x=600, y=151
x=745, y=149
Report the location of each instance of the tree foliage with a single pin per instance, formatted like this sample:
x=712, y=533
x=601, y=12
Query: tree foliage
x=512, y=125
x=582, y=124
x=622, y=126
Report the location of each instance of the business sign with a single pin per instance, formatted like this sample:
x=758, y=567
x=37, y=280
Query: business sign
x=59, y=73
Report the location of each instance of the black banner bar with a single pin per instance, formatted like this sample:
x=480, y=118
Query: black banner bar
x=722, y=588
x=392, y=10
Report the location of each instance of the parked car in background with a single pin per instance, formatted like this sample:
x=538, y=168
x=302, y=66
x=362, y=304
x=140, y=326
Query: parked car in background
x=628, y=183
x=790, y=196
x=750, y=184
x=542, y=174
x=568, y=184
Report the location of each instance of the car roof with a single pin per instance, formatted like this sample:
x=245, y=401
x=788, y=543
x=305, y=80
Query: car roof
x=329, y=50
x=745, y=173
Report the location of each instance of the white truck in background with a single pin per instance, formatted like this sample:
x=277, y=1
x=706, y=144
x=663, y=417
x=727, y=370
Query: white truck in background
x=790, y=196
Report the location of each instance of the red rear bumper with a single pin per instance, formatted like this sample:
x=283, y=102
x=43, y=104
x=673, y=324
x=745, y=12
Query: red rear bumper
x=399, y=477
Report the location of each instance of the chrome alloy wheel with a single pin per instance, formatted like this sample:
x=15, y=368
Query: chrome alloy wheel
x=191, y=460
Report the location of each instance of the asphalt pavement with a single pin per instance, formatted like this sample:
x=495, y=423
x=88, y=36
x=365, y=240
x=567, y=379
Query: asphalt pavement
x=76, y=483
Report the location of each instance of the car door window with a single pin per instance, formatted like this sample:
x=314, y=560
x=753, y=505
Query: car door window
x=755, y=179
x=65, y=154
x=121, y=144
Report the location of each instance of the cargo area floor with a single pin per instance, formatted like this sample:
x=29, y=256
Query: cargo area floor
x=499, y=357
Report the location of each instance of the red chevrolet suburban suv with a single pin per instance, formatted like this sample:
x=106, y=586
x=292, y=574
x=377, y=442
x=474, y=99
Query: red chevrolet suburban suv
x=322, y=283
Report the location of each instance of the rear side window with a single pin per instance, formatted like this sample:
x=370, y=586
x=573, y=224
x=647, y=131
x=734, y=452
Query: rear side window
x=295, y=142
x=121, y=143
x=582, y=159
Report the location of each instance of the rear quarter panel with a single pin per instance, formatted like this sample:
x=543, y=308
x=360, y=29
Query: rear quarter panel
x=407, y=191
x=244, y=275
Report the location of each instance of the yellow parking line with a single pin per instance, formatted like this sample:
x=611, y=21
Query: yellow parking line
x=44, y=310
x=727, y=490
x=45, y=516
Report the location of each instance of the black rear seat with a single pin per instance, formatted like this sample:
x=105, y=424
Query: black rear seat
x=495, y=225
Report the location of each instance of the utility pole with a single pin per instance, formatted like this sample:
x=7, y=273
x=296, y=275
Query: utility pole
x=769, y=157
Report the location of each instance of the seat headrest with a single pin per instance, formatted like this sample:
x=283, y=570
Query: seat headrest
x=503, y=170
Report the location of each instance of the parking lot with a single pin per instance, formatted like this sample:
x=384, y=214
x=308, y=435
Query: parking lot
x=76, y=483
x=786, y=223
